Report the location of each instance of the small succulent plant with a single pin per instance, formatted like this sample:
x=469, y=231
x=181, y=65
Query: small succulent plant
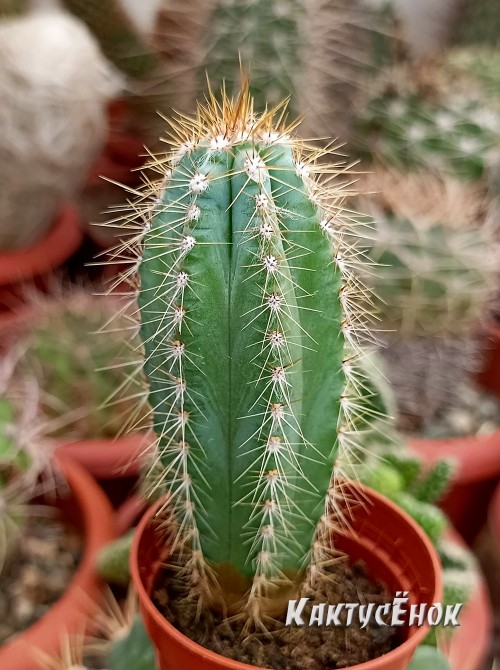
x=392, y=468
x=245, y=289
x=86, y=371
x=437, y=270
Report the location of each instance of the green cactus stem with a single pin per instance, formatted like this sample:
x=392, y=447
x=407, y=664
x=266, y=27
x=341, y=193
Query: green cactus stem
x=250, y=330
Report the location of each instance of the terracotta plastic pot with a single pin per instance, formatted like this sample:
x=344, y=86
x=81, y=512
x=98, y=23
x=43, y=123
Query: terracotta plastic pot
x=469, y=646
x=391, y=545
x=111, y=458
x=494, y=517
x=36, y=263
x=114, y=462
x=477, y=459
x=87, y=507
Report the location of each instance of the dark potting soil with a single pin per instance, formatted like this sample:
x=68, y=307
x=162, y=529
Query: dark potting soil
x=48, y=554
x=290, y=647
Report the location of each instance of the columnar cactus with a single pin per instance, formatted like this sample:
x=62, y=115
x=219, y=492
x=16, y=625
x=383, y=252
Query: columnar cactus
x=256, y=32
x=250, y=332
x=317, y=52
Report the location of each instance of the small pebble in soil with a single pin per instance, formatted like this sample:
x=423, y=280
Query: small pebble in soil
x=47, y=557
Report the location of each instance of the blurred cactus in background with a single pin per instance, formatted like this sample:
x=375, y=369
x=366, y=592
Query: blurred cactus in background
x=54, y=86
x=479, y=23
x=425, y=26
x=437, y=268
x=24, y=453
x=86, y=369
x=267, y=37
x=117, y=36
x=119, y=641
x=318, y=53
x=453, y=134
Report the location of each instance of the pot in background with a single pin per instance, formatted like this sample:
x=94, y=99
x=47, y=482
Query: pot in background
x=477, y=458
x=34, y=265
x=87, y=507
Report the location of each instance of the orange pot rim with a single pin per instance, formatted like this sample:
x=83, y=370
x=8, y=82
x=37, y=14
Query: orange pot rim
x=70, y=614
x=389, y=660
x=109, y=458
x=60, y=242
x=477, y=457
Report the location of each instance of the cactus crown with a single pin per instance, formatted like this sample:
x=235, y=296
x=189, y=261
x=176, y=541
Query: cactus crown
x=250, y=330
x=435, y=252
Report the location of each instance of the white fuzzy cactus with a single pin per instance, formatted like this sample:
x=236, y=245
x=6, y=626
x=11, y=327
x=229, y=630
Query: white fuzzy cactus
x=54, y=87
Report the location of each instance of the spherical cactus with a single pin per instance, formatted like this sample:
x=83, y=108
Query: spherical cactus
x=86, y=371
x=55, y=85
x=250, y=326
x=448, y=132
x=434, y=250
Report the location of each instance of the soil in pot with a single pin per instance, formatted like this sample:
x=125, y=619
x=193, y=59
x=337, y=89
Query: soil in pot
x=289, y=647
x=49, y=554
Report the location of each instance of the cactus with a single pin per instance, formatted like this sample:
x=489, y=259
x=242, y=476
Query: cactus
x=257, y=32
x=384, y=467
x=113, y=560
x=476, y=65
x=86, y=371
x=23, y=453
x=437, y=271
x=448, y=132
x=55, y=85
x=319, y=53
x=425, y=26
x=479, y=23
x=433, y=248
x=246, y=290
x=120, y=642
x=117, y=37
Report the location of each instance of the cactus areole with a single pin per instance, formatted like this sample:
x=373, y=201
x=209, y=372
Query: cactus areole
x=249, y=339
